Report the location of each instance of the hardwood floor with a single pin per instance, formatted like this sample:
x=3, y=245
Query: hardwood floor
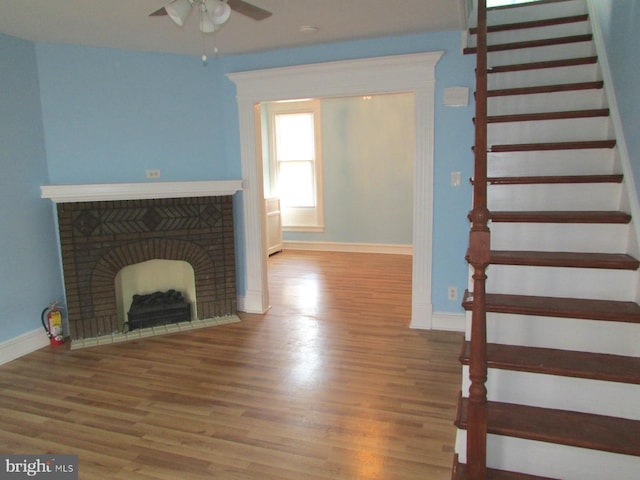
x=329, y=384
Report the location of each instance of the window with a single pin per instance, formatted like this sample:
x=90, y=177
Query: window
x=295, y=163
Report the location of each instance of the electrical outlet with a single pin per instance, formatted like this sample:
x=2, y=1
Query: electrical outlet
x=153, y=173
x=452, y=293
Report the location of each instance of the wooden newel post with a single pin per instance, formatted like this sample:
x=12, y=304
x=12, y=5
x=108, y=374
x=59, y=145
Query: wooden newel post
x=478, y=257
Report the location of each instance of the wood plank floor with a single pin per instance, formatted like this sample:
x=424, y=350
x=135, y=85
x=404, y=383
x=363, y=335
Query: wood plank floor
x=329, y=384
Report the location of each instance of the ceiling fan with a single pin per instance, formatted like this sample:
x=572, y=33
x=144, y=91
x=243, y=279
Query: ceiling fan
x=213, y=13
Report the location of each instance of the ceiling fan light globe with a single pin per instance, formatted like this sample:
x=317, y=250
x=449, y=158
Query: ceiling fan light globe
x=218, y=11
x=178, y=11
x=206, y=23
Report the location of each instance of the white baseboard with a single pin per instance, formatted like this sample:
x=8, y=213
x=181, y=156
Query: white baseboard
x=349, y=247
x=449, y=322
x=23, y=344
x=421, y=313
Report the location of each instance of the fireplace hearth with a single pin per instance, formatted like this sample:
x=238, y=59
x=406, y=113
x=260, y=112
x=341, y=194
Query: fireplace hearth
x=158, y=308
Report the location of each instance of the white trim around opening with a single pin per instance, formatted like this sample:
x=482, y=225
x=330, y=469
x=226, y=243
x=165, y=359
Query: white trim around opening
x=413, y=73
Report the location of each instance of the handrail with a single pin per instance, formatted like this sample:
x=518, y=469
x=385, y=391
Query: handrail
x=478, y=257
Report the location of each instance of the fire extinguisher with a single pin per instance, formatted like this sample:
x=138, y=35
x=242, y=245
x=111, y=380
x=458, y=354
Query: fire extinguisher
x=52, y=323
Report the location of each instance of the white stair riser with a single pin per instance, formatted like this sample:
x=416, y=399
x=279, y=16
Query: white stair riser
x=547, y=102
x=587, y=283
x=541, y=197
x=614, y=338
x=545, y=76
x=541, y=54
x=538, y=33
x=556, y=461
x=570, y=130
x=555, y=162
x=534, y=12
x=557, y=392
x=560, y=237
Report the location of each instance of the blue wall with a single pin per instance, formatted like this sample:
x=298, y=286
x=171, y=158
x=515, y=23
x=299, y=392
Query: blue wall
x=367, y=171
x=619, y=20
x=29, y=273
x=110, y=115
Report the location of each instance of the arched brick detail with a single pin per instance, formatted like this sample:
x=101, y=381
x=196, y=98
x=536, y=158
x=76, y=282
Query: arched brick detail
x=98, y=239
x=106, y=269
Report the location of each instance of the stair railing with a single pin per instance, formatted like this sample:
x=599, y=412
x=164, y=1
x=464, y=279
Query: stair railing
x=478, y=256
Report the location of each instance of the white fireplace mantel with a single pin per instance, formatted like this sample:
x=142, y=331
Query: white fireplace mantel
x=136, y=191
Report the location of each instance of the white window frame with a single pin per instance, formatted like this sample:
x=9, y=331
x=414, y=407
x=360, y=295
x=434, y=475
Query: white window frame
x=299, y=219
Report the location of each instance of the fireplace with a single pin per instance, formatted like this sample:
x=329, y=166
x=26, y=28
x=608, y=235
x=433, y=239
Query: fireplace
x=99, y=238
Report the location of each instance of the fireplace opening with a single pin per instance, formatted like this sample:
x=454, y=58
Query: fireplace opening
x=150, y=282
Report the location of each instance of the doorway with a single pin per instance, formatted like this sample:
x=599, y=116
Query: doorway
x=413, y=73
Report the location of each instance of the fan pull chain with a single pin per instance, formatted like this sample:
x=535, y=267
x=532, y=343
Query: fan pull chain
x=204, y=50
x=205, y=58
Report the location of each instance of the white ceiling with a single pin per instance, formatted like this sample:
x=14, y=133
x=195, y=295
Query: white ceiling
x=125, y=24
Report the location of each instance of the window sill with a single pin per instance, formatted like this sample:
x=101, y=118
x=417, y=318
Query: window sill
x=303, y=228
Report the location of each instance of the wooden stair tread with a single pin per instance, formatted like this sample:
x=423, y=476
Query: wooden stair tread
x=547, y=22
x=568, y=62
x=602, y=217
x=550, y=361
x=536, y=147
x=546, y=42
x=540, y=89
x=528, y=117
x=579, y=308
x=554, y=179
x=460, y=472
x=584, y=430
x=619, y=261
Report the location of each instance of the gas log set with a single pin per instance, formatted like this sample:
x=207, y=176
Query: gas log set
x=158, y=308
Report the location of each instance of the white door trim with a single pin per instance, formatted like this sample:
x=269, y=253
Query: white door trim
x=399, y=73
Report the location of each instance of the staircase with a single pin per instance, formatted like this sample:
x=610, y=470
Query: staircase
x=562, y=318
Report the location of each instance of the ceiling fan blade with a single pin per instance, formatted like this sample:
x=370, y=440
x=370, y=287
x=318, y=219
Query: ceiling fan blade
x=158, y=13
x=248, y=9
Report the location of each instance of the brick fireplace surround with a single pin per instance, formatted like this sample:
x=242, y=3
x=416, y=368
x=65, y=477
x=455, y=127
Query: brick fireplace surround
x=99, y=238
